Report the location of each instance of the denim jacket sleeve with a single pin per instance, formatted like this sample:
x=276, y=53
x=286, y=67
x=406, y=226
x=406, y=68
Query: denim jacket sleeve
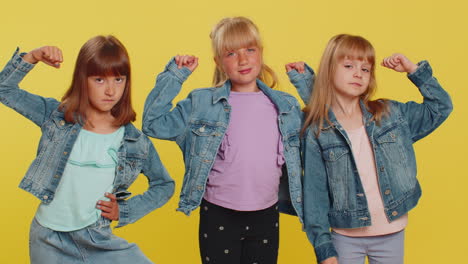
x=159, y=120
x=316, y=199
x=303, y=82
x=31, y=106
x=436, y=107
x=160, y=190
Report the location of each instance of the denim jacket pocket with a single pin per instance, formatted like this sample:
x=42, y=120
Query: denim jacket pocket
x=395, y=158
x=203, y=136
x=337, y=161
x=133, y=166
x=390, y=142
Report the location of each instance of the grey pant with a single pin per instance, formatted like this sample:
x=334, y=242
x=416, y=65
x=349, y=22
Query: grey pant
x=92, y=244
x=386, y=249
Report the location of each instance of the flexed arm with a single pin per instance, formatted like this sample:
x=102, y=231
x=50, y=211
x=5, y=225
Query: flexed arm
x=49, y=55
x=437, y=105
x=302, y=77
x=159, y=120
x=33, y=107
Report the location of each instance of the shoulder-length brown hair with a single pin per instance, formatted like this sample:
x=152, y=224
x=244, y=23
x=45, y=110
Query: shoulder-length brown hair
x=232, y=33
x=99, y=56
x=338, y=48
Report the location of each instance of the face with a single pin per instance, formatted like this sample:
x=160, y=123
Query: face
x=352, y=78
x=105, y=92
x=242, y=67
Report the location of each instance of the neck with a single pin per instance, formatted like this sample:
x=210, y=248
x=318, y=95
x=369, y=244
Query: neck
x=346, y=106
x=348, y=112
x=100, y=122
x=245, y=88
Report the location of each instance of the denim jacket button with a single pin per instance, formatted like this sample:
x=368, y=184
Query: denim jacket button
x=394, y=213
x=120, y=168
x=56, y=176
x=298, y=199
x=202, y=129
x=382, y=168
x=387, y=192
x=45, y=197
x=199, y=187
x=65, y=153
x=62, y=122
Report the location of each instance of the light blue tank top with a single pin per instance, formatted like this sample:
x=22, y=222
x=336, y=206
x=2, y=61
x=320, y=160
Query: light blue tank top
x=89, y=173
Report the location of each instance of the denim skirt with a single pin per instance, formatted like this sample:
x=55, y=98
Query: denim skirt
x=92, y=244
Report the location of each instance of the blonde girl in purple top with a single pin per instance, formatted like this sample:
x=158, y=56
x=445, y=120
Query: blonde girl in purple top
x=240, y=139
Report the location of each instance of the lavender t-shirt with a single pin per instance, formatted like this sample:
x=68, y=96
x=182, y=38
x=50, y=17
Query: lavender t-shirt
x=245, y=175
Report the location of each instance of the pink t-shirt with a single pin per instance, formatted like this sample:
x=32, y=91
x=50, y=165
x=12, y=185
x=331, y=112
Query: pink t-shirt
x=245, y=175
x=364, y=156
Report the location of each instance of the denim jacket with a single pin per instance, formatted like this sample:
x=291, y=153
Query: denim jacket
x=198, y=124
x=136, y=154
x=333, y=193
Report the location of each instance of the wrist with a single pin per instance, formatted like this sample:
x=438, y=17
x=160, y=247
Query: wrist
x=413, y=68
x=29, y=57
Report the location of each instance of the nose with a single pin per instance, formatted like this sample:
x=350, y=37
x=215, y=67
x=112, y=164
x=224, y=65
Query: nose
x=358, y=73
x=110, y=89
x=242, y=58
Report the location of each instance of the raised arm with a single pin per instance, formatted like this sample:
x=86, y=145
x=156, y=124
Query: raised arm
x=34, y=107
x=159, y=119
x=302, y=77
x=436, y=106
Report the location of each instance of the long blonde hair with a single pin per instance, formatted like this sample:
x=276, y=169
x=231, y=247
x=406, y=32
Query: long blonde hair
x=340, y=47
x=234, y=33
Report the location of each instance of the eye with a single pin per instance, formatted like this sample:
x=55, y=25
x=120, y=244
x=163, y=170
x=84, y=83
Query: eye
x=365, y=70
x=251, y=49
x=230, y=53
x=120, y=79
x=348, y=66
x=99, y=80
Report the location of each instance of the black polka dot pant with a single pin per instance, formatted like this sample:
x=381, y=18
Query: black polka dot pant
x=238, y=237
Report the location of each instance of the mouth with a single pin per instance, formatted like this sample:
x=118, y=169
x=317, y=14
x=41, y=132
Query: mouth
x=356, y=84
x=245, y=71
x=108, y=101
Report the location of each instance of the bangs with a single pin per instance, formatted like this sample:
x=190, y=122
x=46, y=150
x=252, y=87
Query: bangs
x=355, y=47
x=236, y=36
x=110, y=60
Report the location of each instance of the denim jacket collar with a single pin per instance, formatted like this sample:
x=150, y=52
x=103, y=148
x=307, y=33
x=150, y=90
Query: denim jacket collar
x=284, y=106
x=131, y=133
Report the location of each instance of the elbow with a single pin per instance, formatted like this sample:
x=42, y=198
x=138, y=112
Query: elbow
x=447, y=109
x=147, y=129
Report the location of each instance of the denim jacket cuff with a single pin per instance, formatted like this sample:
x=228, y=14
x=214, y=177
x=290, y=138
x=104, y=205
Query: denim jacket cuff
x=325, y=251
x=124, y=213
x=20, y=64
x=295, y=76
x=182, y=74
x=422, y=73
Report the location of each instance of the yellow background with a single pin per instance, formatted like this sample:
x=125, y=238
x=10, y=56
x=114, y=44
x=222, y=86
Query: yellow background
x=153, y=31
